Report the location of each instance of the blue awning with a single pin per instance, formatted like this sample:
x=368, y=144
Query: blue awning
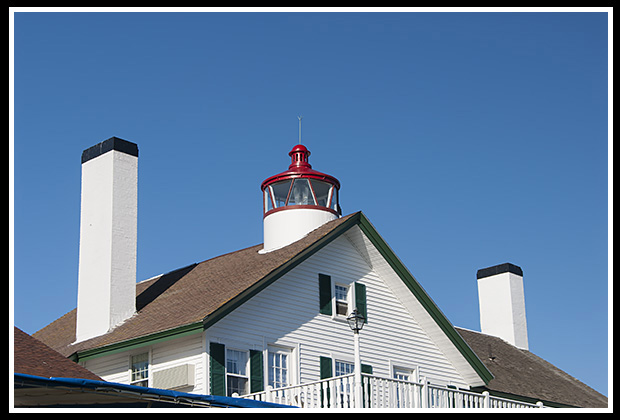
x=33, y=391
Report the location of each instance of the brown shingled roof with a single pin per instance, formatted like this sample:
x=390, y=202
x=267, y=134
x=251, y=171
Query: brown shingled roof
x=188, y=295
x=518, y=372
x=32, y=357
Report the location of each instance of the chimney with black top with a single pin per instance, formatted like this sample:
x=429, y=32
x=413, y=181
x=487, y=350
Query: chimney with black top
x=108, y=237
x=502, y=303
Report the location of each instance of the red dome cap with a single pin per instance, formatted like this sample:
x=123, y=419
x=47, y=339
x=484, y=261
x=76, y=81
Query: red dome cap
x=299, y=157
x=300, y=168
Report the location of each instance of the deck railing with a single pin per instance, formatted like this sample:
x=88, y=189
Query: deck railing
x=377, y=392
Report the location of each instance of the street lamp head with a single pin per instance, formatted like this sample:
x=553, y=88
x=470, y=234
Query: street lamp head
x=356, y=321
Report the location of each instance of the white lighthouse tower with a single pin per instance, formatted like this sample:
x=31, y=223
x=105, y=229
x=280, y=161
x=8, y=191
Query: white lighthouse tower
x=297, y=201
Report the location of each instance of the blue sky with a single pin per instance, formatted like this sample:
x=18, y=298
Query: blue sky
x=468, y=139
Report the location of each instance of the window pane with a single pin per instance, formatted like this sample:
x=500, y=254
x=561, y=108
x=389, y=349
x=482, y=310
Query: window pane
x=301, y=194
x=344, y=368
x=341, y=292
x=236, y=362
x=402, y=374
x=236, y=384
x=321, y=190
x=278, y=370
x=342, y=302
x=280, y=192
x=140, y=369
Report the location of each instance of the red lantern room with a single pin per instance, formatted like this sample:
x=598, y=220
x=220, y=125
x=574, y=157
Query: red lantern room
x=297, y=201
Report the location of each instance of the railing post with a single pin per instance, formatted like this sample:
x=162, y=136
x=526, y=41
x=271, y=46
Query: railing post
x=425, y=396
x=268, y=395
x=487, y=399
x=333, y=386
x=540, y=404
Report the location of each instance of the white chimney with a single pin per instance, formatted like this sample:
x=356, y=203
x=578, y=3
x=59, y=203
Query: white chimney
x=108, y=237
x=502, y=303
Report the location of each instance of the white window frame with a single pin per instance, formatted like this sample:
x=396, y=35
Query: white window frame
x=412, y=370
x=350, y=300
x=346, y=300
x=291, y=362
x=237, y=375
x=344, y=362
x=149, y=368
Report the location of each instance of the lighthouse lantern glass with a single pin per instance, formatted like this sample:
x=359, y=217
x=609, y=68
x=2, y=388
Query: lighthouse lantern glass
x=280, y=192
x=321, y=191
x=301, y=194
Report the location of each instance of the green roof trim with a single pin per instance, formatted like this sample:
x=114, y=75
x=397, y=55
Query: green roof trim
x=424, y=299
x=133, y=343
x=279, y=272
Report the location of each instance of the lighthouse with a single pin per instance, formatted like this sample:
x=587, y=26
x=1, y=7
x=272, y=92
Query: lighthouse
x=297, y=201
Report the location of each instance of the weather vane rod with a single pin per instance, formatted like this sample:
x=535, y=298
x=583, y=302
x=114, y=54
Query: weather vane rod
x=299, y=117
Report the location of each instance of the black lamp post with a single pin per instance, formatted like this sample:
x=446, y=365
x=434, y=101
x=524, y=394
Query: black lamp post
x=356, y=321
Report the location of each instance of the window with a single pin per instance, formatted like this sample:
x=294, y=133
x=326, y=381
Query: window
x=279, y=368
x=140, y=370
x=342, y=299
x=233, y=371
x=321, y=191
x=280, y=192
x=236, y=372
x=403, y=374
x=301, y=194
x=344, y=368
x=338, y=300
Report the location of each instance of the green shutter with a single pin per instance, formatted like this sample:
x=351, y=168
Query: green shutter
x=326, y=372
x=326, y=367
x=325, y=294
x=256, y=371
x=217, y=368
x=360, y=300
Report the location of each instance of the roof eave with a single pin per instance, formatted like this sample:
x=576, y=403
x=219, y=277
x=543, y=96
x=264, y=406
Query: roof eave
x=280, y=271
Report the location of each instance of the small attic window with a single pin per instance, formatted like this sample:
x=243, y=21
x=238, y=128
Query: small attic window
x=342, y=299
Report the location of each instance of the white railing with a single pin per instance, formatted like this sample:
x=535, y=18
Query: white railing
x=326, y=393
x=377, y=392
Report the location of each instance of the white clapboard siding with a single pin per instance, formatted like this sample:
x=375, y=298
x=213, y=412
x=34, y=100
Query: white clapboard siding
x=164, y=355
x=184, y=350
x=287, y=313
